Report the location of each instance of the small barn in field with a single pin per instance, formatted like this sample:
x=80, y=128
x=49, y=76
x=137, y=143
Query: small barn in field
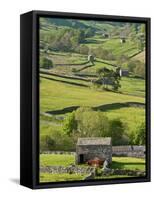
x=93, y=147
x=124, y=72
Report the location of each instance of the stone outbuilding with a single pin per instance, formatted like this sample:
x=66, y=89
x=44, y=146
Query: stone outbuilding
x=124, y=72
x=92, y=147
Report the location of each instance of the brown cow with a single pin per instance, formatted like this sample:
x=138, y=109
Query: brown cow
x=96, y=162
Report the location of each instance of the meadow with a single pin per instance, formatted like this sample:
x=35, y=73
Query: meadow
x=68, y=82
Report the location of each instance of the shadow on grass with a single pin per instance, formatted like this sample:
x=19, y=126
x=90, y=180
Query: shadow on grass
x=67, y=82
x=105, y=107
x=121, y=165
x=63, y=111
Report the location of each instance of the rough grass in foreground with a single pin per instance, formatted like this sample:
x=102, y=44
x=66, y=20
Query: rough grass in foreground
x=117, y=162
x=65, y=160
x=46, y=177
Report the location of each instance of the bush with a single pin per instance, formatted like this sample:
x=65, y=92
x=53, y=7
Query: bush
x=46, y=143
x=131, y=66
x=46, y=63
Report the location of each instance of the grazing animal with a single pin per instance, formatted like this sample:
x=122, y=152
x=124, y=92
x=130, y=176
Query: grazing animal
x=96, y=162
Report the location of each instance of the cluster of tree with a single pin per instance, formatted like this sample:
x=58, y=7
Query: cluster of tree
x=66, y=39
x=138, y=36
x=104, y=54
x=85, y=122
x=58, y=140
x=108, y=77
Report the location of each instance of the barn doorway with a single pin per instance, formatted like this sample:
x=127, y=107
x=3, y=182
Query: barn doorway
x=81, y=158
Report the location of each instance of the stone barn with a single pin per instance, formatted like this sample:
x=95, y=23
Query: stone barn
x=91, y=59
x=124, y=72
x=90, y=148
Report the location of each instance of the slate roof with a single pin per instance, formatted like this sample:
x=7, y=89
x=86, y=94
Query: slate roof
x=94, y=141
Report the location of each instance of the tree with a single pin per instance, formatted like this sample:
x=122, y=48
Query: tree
x=108, y=77
x=46, y=63
x=140, y=135
x=70, y=124
x=91, y=123
x=117, y=130
x=85, y=122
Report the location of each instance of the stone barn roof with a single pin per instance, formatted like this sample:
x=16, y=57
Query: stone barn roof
x=94, y=141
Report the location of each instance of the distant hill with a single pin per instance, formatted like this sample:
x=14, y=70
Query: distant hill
x=82, y=24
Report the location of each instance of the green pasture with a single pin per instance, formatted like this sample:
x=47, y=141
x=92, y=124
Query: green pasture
x=127, y=163
x=66, y=160
x=47, y=177
x=56, y=95
x=132, y=86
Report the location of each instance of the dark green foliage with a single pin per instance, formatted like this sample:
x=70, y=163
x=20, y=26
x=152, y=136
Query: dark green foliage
x=56, y=141
x=46, y=143
x=108, y=77
x=131, y=65
x=117, y=130
x=46, y=63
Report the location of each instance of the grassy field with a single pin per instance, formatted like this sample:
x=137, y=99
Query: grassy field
x=70, y=95
x=117, y=162
x=127, y=163
x=56, y=159
x=46, y=177
x=61, y=95
x=115, y=46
